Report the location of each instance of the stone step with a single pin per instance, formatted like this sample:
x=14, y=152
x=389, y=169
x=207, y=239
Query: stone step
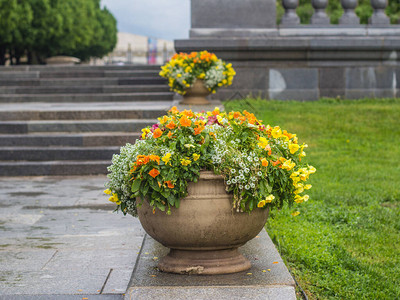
x=72, y=73
x=18, y=127
x=106, y=97
x=37, y=111
x=90, y=139
x=94, y=73
x=52, y=168
x=82, y=81
x=59, y=68
x=83, y=89
x=56, y=153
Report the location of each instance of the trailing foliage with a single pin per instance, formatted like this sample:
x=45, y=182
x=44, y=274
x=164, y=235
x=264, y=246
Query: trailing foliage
x=44, y=28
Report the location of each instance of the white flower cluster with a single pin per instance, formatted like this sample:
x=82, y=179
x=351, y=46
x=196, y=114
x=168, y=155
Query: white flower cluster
x=215, y=75
x=119, y=172
x=181, y=76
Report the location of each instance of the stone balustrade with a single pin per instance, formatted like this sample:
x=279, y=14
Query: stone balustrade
x=298, y=61
x=349, y=18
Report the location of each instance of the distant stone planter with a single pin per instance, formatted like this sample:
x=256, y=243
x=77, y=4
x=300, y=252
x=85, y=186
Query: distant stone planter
x=205, y=232
x=62, y=60
x=196, y=94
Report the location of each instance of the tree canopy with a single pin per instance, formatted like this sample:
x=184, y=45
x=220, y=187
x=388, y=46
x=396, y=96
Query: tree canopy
x=44, y=28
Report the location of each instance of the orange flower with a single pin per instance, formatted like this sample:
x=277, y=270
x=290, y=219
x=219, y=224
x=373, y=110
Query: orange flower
x=215, y=112
x=171, y=125
x=142, y=160
x=185, y=122
x=154, y=173
x=236, y=114
x=157, y=133
x=198, y=130
x=174, y=110
x=264, y=162
x=188, y=113
x=170, y=134
x=155, y=158
x=268, y=148
x=170, y=184
x=275, y=163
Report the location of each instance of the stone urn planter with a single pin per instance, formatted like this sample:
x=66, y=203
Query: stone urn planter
x=204, y=233
x=196, y=94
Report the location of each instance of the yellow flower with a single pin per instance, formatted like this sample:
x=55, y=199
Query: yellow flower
x=196, y=156
x=263, y=142
x=202, y=76
x=288, y=165
x=114, y=198
x=300, y=199
x=163, y=120
x=276, y=132
x=185, y=162
x=166, y=158
x=293, y=148
x=296, y=213
x=107, y=191
x=145, y=132
x=261, y=203
x=269, y=198
x=307, y=186
x=311, y=170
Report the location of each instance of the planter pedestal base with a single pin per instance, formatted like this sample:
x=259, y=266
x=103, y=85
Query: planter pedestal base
x=206, y=262
x=196, y=94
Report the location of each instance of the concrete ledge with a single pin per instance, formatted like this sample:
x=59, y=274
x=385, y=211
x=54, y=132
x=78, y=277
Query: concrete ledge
x=268, y=277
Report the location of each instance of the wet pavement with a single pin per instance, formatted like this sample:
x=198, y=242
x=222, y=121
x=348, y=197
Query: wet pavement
x=60, y=236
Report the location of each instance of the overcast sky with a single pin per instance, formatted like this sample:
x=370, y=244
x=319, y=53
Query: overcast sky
x=164, y=19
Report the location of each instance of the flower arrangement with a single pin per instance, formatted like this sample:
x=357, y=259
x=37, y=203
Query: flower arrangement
x=262, y=165
x=183, y=69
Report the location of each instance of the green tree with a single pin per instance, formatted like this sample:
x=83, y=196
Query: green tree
x=104, y=36
x=43, y=28
x=8, y=24
x=22, y=36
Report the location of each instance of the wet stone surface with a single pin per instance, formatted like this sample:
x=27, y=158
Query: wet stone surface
x=60, y=236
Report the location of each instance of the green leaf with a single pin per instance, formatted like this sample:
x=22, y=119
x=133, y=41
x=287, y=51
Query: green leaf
x=177, y=202
x=154, y=185
x=171, y=199
x=145, y=189
x=251, y=205
x=136, y=185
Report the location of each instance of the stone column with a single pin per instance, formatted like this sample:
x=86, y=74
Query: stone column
x=231, y=17
x=379, y=17
x=349, y=17
x=319, y=17
x=290, y=17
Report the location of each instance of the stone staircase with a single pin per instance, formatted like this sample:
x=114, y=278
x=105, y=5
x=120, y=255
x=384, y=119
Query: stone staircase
x=70, y=120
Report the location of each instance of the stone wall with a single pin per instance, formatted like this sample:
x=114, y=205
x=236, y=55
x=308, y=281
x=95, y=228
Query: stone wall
x=300, y=62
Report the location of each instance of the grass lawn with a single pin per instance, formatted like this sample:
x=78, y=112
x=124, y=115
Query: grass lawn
x=345, y=244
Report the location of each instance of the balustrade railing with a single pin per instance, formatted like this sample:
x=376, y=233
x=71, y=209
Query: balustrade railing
x=349, y=16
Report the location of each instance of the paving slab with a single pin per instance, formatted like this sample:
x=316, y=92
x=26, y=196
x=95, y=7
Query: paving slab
x=268, y=277
x=60, y=239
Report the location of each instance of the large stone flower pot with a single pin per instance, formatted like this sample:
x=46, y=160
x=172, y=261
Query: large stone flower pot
x=205, y=232
x=196, y=94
